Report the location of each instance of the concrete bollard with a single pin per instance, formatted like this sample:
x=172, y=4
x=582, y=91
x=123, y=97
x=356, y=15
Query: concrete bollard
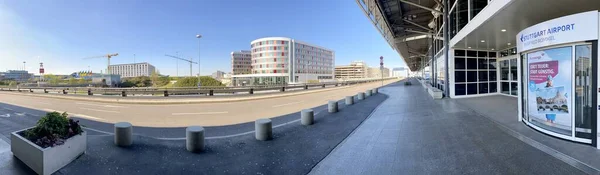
x=123, y=134
x=361, y=96
x=332, y=106
x=263, y=129
x=368, y=93
x=376, y=90
x=307, y=117
x=349, y=100
x=194, y=139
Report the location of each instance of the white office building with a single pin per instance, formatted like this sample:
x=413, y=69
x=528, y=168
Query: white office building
x=241, y=62
x=280, y=60
x=132, y=70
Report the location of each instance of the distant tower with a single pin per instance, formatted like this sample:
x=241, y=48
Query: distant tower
x=41, y=71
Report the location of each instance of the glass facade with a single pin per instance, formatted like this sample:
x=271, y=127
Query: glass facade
x=474, y=72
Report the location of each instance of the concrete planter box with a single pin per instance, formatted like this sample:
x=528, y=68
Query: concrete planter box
x=47, y=160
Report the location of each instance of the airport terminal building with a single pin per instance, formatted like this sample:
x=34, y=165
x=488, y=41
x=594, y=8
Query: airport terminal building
x=542, y=53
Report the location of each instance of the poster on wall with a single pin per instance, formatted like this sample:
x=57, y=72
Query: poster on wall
x=550, y=88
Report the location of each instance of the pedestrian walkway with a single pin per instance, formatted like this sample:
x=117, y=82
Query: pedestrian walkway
x=410, y=133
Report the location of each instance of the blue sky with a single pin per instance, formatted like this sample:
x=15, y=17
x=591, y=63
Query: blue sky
x=63, y=32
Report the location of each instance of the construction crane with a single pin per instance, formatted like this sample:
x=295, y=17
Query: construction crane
x=108, y=56
x=189, y=61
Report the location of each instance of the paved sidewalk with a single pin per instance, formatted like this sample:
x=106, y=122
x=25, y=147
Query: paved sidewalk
x=410, y=133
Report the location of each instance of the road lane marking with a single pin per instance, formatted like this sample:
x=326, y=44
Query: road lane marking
x=100, y=110
x=45, y=103
x=92, y=104
x=20, y=114
x=287, y=104
x=5, y=116
x=200, y=113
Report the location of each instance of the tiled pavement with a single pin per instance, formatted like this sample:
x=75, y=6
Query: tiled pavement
x=410, y=133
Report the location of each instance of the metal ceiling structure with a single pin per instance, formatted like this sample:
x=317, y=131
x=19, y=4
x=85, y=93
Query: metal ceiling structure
x=406, y=25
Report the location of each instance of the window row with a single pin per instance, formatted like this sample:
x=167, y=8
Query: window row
x=274, y=71
x=475, y=88
x=269, y=54
x=285, y=48
x=306, y=47
x=474, y=63
x=270, y=60
x=269, y=42
x=474, y=53
x=474, y=76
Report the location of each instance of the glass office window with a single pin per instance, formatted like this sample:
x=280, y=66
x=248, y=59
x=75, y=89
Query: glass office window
x=460, y=76
x=473, y=73
x=477, y=6
x=504, y=70
x=460, y=63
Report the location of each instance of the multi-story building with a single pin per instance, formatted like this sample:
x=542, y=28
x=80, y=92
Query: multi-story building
x=356, y=70
x=241, y=62
x=279, y=60
x=16, y=75
x=218, y=75
x=543, y=52
x=132, y=70
x=399, y=72
x=375, y=72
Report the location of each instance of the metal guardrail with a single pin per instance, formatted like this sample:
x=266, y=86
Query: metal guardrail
x=124, y=92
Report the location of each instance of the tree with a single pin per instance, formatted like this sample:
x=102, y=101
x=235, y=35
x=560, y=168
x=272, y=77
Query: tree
x=52, y=79
x=82, y=81
x=142, y=81
x=12, y=84
x=154, y=77
x=72, y=81
x=193, y=82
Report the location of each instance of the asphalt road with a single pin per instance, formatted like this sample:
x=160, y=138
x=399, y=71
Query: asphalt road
x=178, y=115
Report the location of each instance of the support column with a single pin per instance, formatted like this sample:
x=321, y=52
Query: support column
x=446, y=41
x=433, y=63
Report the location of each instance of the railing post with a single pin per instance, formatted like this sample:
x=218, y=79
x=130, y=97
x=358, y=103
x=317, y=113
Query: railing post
x=305, y=86
x=19, y=89
x=323, y=85
x=123, y=94
x=282, y=89
x=251, y=91
x=45, y=91
x=30, y=90
x=64, y=91
x=166, y=93
x=90, y=92
x=211, y=92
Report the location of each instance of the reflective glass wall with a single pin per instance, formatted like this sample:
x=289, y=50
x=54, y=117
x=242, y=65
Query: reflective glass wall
x=474, y=72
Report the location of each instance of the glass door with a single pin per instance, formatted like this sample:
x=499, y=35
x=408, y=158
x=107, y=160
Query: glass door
x=583, y=91
x=508, y=76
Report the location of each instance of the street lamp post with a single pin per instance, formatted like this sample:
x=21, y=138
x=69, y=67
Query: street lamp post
x=199, y=81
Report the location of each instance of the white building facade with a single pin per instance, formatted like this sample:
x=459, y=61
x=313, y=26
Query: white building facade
x=132, y=70
x=280, y=60
x=241, y=62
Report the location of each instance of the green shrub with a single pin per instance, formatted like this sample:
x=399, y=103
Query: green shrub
x=52, y=130
x=193, y=82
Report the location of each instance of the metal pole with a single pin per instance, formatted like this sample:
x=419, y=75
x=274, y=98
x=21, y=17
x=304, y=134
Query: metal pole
x=446, y=40
x=199, y=80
